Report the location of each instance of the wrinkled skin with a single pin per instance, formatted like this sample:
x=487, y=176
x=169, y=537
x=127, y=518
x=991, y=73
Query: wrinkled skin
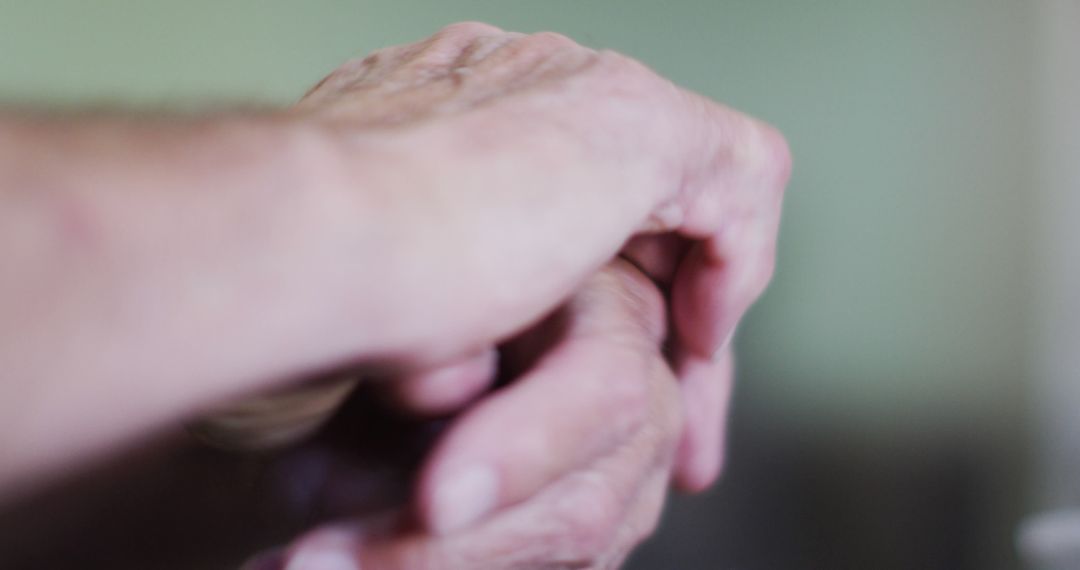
x=584, y=430
x=584, y=440
x=565, y=496
x=709, y=242
x=703, y=181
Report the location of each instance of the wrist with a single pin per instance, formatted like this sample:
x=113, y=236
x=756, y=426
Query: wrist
x=374, y=227
x=460, y=230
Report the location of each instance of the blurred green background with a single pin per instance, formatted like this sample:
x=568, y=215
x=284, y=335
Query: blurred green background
x=880, y=414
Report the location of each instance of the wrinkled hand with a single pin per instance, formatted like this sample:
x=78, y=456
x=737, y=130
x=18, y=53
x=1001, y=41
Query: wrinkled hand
x=712, y=181
x=566, y=467
x=620, y=152
x=575, y=151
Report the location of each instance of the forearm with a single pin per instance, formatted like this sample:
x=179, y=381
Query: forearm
x=150, y=268
x=153, y=268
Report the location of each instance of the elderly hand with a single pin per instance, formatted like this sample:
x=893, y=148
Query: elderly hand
x=416, y=209
x=558, y=154
x=698, y=183
x=566, y=467
x=620, y=151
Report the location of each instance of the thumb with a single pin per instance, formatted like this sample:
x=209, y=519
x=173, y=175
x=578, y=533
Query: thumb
x=350, y=546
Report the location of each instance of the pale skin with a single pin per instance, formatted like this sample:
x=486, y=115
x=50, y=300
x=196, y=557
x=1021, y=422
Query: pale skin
x=414, y=211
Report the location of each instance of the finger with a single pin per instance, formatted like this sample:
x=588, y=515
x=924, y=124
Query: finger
x=720, y=254
x=589, y=392
x=733, y=205
x=446, y=388
x=706, y=393
x=356, y=546
x=657, y=256
x=719, y=280
x=344, y=546
x=587, y=519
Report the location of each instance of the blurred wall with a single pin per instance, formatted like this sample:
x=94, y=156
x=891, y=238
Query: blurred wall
x=898, y=318
x=1057, y=295
x=897, y=302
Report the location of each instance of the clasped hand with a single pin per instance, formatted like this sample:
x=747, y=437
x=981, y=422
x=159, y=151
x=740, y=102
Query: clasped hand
x=609, y=289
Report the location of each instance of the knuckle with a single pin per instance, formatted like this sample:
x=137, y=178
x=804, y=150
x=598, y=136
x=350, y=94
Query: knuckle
x=377, y=57
x=647, y=528
x=451, y=43
x=590, y=517
x=776, y=152
x=780, y=151
x=466, y=30
x=626, y=71
x=353, y=67
x=370, y=60
x=360, y=69
x=616, y=60
x=348, y=73
x=643, y=529
x=548, y=41
x=764, y=272
x=540, y=46
x=648, y=520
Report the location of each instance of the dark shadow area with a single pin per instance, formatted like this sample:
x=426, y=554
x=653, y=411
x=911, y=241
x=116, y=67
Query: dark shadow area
x=177, y=504
x=803, y=501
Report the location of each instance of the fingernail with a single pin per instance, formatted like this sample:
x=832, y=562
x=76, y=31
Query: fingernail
x=465, y=497
x=322, y=559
